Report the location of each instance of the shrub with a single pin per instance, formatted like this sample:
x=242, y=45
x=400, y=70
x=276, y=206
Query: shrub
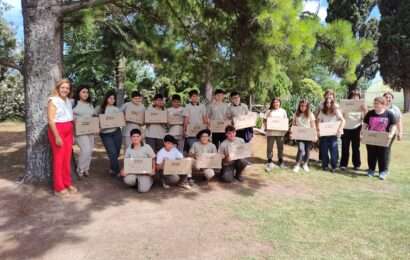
x=12, y=98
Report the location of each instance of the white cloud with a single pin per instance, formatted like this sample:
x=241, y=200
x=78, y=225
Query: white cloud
x=315, y=7
x=14, y=3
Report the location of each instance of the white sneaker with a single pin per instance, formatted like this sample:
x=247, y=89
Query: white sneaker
x=269, y=166
x=306, y=167
x=296, y=168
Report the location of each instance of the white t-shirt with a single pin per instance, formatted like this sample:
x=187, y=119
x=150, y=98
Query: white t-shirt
x=64, y=112
x=173, y=154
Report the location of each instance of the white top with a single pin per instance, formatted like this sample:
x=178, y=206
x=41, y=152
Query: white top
x=173, y=154
x=353, y=120
x=304, y=121
x=275, y=113
x=64, y=112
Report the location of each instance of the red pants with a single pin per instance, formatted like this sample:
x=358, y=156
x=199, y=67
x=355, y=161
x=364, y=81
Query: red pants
x=62, y=155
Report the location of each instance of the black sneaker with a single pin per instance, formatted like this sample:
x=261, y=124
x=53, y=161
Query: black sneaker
x=239, y=178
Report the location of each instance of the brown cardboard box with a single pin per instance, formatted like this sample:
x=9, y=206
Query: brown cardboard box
x=178, y=167
x=112, y=120
x=193, y=130
x=209, y=161
x=303, y=133
x=328, y=128
x=245, y=121
x=175, y=119
x=134, y=116
x=376, y=138
x=156, y=117
x=350, y=105
x=138, y=166
x=239, y=151
x=218, y=126
x=277, y=124
x=86, y=126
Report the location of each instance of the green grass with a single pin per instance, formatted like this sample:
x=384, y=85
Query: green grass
x=333, y=216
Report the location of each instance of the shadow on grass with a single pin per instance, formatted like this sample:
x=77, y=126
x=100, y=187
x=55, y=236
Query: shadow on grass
x=33, y=221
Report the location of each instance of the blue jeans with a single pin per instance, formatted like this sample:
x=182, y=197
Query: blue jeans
x=328, y=145
x=112, y=143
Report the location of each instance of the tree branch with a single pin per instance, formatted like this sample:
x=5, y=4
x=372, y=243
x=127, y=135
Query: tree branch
x=81, y=4
x=10, y=64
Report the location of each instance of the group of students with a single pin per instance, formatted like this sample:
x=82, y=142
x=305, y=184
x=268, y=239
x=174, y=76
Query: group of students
x=384, y=117
x=171, y=142
x=152, y=140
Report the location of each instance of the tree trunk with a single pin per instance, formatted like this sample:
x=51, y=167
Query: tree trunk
x=42, y=69
x=406, y=93
x=120, y=72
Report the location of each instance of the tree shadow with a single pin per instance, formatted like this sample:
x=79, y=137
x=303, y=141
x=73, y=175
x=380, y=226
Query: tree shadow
x=33, y=222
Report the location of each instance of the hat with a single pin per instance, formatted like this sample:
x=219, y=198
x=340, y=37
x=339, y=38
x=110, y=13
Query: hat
x=171, y=139
x=203, y=131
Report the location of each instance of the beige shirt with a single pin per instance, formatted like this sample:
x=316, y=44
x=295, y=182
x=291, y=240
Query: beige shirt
x=218, y=111
x=83, y=110
x=275, y=113
x=234, y=111
x=142, y=152
x=199, y=148
x=224, y=146
x=108, y=111
x=155, y=130
x=195, y=113
x=323, y=118
x=129, y=125
x=176, y=130
x=353, y=120
x=304, y=121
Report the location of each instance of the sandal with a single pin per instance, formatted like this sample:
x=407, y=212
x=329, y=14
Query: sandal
x=72, y=189
x=62, y=194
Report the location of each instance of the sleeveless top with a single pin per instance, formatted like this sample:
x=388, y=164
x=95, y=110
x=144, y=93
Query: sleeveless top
x=64, y=112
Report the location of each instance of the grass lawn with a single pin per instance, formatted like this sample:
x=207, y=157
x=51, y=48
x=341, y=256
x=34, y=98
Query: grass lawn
x=333, y=216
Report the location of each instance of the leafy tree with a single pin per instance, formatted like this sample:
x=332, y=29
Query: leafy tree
x=394, y=46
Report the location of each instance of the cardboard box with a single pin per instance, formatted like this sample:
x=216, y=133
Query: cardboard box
x=209, y=161
x=351, y=105
x=178, y=167
x=277, y=124
x=245, y=121
x=193, y=130
x=175, y=119
x=239, y=151
x=134, y=116
x=112, y=120
x=376, y=138
x=328, y=128
x=87, y=126
x=156, y=117
x=138, y=166
x=218, y=126
x=303, y=133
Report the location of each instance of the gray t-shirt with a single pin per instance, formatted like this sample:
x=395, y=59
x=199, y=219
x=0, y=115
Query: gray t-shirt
x=396, y=111
x=83, y=110
x=142, y=152
x=239, y=110
x=195, y=113
x=176, y=130
x=155, y=130
x=108, y=111
x=199, y=148
x=218, y=111
x=129, y=125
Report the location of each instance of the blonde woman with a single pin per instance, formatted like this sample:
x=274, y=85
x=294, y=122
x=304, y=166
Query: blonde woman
x=60, y=135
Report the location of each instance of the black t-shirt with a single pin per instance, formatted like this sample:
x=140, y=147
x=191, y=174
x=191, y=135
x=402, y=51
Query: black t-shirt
x=380, y=122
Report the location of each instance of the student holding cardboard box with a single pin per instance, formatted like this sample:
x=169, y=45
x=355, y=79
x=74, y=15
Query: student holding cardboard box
x=195, y=118
x=155, y=132
x=379, y=120
x=111, y=137
x=218, y=115
x=332, y=118
x=134, y=116
x=170, y=152
x=203, y=146
x=138, y=150
x=176, y=121
x=236, y=109
x=83, y=109
x=351, y=132
x=60, y=135
x=231, y=169
x=274, y=135
x=303, y=118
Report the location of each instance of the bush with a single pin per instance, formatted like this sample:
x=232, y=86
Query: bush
x=12, y=98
